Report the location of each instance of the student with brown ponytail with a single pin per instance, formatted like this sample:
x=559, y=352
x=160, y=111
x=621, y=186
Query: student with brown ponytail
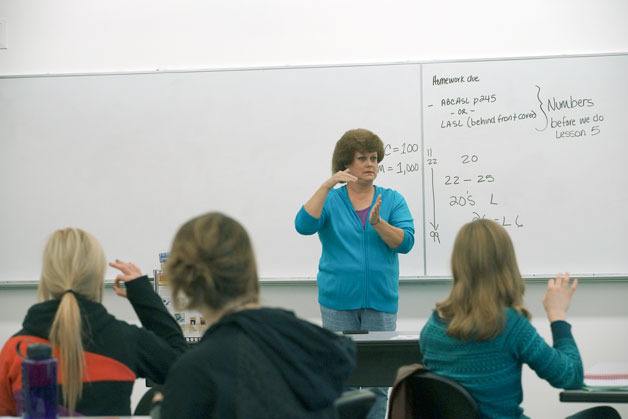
x=99, y=356
x=253, y=361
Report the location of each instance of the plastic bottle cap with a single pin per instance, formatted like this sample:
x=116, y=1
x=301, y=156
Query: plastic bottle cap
x=38, y=351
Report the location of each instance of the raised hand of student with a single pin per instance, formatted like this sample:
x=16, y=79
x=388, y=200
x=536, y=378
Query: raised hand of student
x=129, y=272
x=558, y=296
x=374, y=216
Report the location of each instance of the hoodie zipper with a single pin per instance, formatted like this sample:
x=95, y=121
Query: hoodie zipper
x=363, y=230
x=365, y=251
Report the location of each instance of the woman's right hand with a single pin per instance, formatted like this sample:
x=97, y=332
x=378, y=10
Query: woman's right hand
x=342, y=176
x=314, y=205
x=558, y=296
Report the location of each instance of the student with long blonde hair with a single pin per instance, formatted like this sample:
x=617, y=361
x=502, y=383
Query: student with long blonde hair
x=480, y=335
x=99, y=357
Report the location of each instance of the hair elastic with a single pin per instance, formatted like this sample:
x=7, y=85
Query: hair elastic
x=71, y=291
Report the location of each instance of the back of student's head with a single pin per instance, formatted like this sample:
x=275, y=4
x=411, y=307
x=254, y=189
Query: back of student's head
x=73, y=263
x=212, y=264
x=486, y=281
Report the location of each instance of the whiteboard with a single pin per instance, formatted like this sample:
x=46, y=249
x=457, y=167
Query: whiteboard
x=538, y=145
x=130, y=157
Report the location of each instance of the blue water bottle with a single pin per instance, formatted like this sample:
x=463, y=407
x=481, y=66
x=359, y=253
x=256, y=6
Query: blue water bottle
x=39, y=382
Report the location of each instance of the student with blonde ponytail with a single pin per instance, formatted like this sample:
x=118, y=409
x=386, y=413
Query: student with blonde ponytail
x=99, y=357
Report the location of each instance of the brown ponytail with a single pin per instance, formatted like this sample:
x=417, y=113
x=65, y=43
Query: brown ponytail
x=212, y=264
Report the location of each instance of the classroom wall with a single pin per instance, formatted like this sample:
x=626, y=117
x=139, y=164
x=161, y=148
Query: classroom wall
x=76, y=36
x=57, y=36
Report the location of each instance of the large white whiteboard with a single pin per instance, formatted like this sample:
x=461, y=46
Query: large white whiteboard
x=562, y=191
x=130, y=157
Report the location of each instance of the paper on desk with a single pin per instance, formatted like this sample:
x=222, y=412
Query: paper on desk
x=607, y=376
x=405, y=337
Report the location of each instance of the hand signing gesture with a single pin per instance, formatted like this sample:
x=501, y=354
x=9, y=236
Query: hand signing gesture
x=314, y=206
x=129, y=272
x=374, y=216
x=558, y=296
x=342, y=176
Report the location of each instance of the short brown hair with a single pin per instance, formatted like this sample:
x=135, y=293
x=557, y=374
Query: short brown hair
x=212, y=264
x=486, y=282
x=355, y=140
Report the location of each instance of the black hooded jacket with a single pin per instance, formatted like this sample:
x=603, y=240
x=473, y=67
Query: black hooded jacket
x=116, y=353
x=260, y=363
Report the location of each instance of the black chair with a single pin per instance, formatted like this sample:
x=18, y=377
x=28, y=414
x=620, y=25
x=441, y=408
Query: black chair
x=434, y=397
x=146, y=402
x=597, y=412
x=354, y=404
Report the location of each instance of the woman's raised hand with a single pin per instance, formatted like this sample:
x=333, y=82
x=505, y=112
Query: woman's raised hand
x=129, y=272
x=374, y=216
x=558, y=296
x=342, y=176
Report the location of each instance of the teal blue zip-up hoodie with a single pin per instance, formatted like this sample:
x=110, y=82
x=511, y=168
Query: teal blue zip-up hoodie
x=357, y=269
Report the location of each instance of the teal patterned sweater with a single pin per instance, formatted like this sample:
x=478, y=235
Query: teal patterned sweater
x=491, y=370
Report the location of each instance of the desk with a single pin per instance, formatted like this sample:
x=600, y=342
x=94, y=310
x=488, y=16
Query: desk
x=586, y=396
x=380, y=354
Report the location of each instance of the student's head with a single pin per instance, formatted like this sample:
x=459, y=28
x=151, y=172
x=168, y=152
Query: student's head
x=212, y=265
x=486, y=281
x=73, y=263
x=73, y=260
x=355, y=141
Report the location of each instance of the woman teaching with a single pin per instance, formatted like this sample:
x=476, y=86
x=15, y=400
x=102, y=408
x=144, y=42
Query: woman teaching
x=362, y=228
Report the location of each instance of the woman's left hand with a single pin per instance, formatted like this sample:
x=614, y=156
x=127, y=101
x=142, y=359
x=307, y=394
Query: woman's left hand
x=129, y=272
x=374, y=216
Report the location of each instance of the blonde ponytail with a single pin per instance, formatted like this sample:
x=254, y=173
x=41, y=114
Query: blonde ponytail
x=65, y=334
x=73, y=264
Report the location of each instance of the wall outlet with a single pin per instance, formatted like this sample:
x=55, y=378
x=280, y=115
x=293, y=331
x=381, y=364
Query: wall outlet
x=3, y=34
